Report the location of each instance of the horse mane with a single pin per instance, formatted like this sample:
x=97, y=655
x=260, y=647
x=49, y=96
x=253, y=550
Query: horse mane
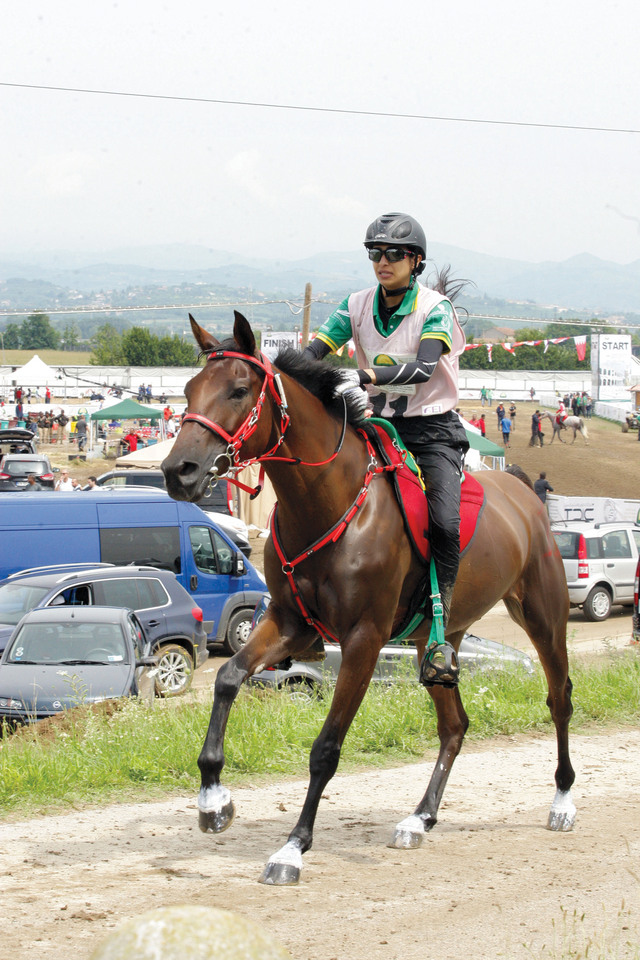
x=518, y=472
x=320, y=379
x=448, y=286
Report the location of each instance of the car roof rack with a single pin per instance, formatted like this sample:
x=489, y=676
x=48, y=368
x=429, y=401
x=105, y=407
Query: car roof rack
x=55, y=566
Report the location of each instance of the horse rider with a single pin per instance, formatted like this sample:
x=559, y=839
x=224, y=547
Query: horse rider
x=407, y=340
x=561, y=413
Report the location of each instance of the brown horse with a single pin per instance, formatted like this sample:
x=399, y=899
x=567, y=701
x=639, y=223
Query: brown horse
x=358, y=585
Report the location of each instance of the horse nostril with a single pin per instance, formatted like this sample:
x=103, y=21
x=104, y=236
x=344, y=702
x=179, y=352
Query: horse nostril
x=188, y=471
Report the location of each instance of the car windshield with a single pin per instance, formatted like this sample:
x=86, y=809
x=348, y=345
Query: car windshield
x=16, y=599
x=19, y=468
x=69, y=643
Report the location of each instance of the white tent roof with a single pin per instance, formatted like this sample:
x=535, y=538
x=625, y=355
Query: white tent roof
x=149, y=457
x=35, y=373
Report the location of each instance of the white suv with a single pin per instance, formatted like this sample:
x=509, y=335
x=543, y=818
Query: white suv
x=600, y=563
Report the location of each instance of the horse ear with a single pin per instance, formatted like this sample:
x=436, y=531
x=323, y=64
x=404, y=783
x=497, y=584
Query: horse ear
x=243, y=335
x=204, y=340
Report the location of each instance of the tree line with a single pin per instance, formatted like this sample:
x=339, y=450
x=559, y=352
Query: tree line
x=136, y=347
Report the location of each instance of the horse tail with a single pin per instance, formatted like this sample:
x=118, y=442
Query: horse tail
x=518, y=472
x=583, y=428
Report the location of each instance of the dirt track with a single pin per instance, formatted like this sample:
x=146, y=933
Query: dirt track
x=488, y=882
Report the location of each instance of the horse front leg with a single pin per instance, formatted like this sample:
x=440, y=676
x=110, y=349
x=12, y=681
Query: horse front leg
x=358, y=663
x=452, y=727
x=266, y=647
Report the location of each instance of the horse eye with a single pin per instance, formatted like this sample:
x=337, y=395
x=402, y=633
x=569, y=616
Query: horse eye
x=239, y=393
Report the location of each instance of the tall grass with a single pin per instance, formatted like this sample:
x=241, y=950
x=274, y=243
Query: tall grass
x=140, y=751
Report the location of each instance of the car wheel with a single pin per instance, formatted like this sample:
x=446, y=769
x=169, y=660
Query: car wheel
x=175, y=670
x=597, y=606
x=238, y=630
x=300, y=691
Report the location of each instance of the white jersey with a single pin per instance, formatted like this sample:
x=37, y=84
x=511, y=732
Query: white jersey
x=440, y=393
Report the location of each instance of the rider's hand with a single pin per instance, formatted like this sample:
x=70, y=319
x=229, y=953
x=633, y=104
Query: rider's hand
x=350, y=379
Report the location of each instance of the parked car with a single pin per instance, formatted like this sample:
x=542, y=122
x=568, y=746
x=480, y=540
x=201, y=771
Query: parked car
x=16, y=467
x=59, y=658
x=599, y=563
x=635, y=623
x=172, y=622
x=145, y=528
x=17, y=440
x=305, y=680
x=217, y=499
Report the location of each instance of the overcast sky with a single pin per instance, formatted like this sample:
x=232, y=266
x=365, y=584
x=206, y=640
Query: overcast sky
x=88, y=172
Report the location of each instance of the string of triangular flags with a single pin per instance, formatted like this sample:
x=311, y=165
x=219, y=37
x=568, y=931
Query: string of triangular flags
x=580, y=344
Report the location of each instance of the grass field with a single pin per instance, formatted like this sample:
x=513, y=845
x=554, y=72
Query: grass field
x=55, y=358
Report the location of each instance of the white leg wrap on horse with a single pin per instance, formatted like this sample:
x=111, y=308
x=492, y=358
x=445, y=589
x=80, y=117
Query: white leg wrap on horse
x=213, y=799
x=289, y=854
x=409, y=833
x=562, y=815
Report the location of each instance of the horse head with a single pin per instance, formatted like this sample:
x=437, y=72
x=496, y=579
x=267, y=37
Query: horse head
x=224, y=401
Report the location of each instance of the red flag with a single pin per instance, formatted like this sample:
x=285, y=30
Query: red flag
x=581, y=346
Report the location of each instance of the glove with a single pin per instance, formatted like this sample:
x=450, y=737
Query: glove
x=355, y=394
x=350, y=380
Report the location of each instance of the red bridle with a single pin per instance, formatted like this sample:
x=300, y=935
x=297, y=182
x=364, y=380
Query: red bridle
x=234, y=441
x=273, y=383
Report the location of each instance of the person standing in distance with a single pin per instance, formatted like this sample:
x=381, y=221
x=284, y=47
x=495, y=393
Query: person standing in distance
x=408, y=340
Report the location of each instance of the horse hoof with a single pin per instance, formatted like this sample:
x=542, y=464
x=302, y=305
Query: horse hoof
x=216, y=821
x=562, y=815
x=408, y=835
x=280, y=874
x=216, y=810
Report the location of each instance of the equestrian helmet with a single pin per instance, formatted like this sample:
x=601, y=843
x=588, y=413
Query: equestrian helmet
x=398, y=228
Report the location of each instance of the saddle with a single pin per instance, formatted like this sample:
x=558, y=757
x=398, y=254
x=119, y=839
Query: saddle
x=410, y=490
x=411, y=496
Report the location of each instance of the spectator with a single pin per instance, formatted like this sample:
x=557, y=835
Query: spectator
x=500, y=413
x=62, y=420
x=81, y=432
x=149, y=393
x=506, y=431
x=512, y=415
x=47, y=396
x=542, y=487
x=483, y=396
x=33, y=484
x=537, y=435
x=482, y=425
x=92, y=483
x=131, y=440
x=66, y=483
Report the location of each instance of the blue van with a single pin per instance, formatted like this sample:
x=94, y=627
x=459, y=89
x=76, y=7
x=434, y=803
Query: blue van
x=147, y=528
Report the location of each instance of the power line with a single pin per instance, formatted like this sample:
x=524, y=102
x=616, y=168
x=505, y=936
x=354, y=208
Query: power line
x=310, y=109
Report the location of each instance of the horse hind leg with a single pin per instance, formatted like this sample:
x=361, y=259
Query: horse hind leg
x=452, y=727
x=543, y=615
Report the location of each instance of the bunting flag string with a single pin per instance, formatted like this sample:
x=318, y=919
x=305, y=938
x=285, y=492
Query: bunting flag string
x=580, y=343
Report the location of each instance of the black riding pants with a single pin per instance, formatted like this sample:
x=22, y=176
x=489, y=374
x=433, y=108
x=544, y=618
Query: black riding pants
x=439, y=445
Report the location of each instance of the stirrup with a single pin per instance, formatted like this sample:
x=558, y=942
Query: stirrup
x=440, y=666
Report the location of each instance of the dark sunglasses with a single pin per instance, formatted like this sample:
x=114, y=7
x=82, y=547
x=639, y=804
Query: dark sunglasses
x=393, y=254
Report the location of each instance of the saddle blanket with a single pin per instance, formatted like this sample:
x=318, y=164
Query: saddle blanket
x=410, y=490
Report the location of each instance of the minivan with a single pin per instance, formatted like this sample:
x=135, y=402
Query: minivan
x=148, y=529
x=599, y=564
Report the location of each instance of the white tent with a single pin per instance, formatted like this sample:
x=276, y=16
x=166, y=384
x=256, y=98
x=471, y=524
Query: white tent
x=35, y=373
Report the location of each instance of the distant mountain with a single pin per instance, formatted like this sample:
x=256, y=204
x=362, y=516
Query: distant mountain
x=583, y=283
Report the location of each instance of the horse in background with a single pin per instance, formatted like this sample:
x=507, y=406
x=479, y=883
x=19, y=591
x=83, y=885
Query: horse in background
x=576, y=424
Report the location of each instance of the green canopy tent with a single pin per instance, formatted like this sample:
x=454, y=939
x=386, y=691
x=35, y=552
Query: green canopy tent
x=128, y=410
x=487, y=448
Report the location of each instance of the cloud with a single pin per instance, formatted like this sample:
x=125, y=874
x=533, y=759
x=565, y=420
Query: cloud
x=63, y=175
x=343, y=206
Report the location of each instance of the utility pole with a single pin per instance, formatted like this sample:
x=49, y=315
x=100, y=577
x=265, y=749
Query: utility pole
x=306, y=316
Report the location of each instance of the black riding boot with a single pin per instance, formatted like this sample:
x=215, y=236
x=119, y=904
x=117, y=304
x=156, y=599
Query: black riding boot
x=440, y=662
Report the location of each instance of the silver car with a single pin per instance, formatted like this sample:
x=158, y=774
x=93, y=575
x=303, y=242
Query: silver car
x=395, y=661
x=599, y=563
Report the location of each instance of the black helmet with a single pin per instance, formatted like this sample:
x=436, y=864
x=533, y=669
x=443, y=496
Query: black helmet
x=397, y=228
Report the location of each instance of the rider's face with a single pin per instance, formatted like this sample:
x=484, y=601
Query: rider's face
x=394, y=276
